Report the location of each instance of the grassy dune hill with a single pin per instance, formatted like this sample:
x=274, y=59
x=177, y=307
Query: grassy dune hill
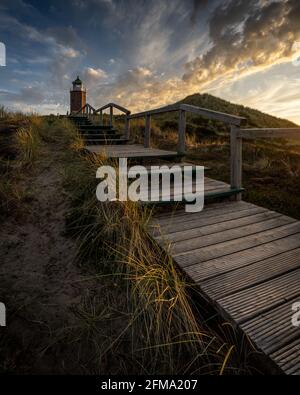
x=254, y=117
x=199, y=127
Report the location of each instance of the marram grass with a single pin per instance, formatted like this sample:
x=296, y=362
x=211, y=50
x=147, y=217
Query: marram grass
x=166, y=334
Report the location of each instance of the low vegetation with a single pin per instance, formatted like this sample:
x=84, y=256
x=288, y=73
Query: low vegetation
x=163, y=324
x=143, y=316
x=19, y=144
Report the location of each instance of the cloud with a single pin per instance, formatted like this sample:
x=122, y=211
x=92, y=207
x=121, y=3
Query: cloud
x=29, y=94
x=148, y=53
x=198, y=5
x=246, y=35
x=93, y=76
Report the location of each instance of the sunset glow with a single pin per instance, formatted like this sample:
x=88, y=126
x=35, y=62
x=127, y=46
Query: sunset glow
x=149, y=53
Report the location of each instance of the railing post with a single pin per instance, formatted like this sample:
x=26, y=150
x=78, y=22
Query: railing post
x=147, y=132
x=236, y=160
x=127, y=127
x=111, y=116
x=101, y=118
x=181, y=132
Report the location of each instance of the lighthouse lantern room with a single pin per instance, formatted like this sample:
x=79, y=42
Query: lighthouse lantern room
x=77, y=96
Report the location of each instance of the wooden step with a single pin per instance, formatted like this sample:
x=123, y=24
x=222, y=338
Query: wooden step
x=133, y=152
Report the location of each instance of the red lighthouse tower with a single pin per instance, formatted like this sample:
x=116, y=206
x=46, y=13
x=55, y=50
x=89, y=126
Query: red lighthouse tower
x=77, y=96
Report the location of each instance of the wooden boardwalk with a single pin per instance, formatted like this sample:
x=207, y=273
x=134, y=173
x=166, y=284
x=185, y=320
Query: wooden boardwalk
x=246, y=261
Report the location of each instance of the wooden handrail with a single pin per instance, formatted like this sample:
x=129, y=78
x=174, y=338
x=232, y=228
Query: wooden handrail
x=183, y=109
x=161, y=110
x=215, y=115
x=236, y=134
x=113, y=105
x=236, y=141
x=86, y=107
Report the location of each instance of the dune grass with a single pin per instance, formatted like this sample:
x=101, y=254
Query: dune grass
x=164, y=325
x=20, y=150
x=144, y=318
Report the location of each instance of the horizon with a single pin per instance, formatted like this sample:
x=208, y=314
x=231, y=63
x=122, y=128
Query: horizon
x=147, y=54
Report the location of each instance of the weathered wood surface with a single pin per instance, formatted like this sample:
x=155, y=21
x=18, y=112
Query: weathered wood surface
x=210, y=114
x=212, y=188
x=130, y=151
x=246, y=262
x=114, y=105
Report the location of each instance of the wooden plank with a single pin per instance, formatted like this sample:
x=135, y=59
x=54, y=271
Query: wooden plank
x=210, y=210
x=219, y=116
x=247, y=304
x=128, y=151
x=207, y=209
x=243, y=243
x=273, y=330
x=178, y=225
x=215, y=115
x=227, y=263
x=177, y=164
x=247, y=276
x=209, y=185
x=203, y=230
x=241, y=236
x=171, y=108
x=117, y=106
x=192, y=242
x=288, y=358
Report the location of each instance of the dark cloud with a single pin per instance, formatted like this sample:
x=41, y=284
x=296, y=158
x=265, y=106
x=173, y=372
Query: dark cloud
x=29, y=95
x=66, y=36
x=198, y=5
x=246, y=32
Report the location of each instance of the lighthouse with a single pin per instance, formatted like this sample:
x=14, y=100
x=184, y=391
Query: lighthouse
x=77, y=96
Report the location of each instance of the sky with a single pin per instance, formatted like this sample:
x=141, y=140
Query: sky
x=144, y=54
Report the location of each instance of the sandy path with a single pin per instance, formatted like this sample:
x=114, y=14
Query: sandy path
x=39, y=279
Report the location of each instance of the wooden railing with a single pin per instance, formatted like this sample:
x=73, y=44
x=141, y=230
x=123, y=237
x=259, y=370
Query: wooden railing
x=237, y=136
x=183, y=109
x=234, y=122
x=111, y=107
x=86, y=110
